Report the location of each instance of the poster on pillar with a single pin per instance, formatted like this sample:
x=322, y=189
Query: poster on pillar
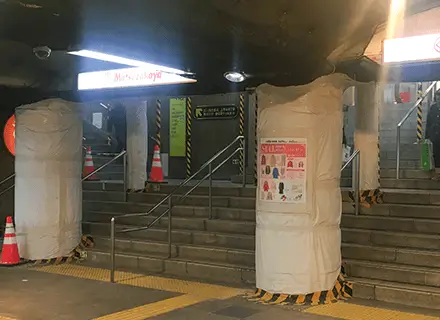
x=283, y=170
x=177, y=127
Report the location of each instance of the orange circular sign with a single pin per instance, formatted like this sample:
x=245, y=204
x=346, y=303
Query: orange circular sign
x=9, y=135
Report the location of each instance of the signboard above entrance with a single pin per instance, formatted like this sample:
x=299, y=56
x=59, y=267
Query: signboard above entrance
x=215, y=112
x=412, y=49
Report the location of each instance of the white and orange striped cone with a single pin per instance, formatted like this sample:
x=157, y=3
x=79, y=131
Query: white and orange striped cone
x=10, y=256
x=156, y=174
x=88, y=165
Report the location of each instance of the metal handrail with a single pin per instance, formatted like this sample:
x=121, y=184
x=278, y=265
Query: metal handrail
x=399, y=125
x=168, y=199
x=5, y=180
x=355, y=158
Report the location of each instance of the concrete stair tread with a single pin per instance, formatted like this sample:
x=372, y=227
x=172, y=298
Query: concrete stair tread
x=165, y=194
x=392, y=266
x=393, y=249
x=101, y=181
x=409, y=234
x=396, y=285
x=192, y=261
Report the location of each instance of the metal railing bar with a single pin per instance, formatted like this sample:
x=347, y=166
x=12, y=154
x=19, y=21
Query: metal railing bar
x=355, y=158
x=350, y=159
x=184, y=183
x=399, y=125
x=104, y=165
x=183, y=197
x=7, y=189
x=7, y=178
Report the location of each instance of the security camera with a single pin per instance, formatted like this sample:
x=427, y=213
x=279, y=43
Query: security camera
x=42, y=53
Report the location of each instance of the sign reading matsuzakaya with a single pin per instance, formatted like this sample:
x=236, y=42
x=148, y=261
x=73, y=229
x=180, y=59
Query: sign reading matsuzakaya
x=215, y=112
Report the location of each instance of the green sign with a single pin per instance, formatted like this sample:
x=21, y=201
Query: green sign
x=177, y=127
x=215, y=112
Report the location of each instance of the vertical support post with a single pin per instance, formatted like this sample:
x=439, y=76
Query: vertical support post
x=356, y=182
x=158, y=122
x=188, y=136
x=243, y=145
x=419, y=112
x=124, y=159
x=210, y=190
x=112, y=250
x=398, y=152
x=170, y=207
x=241, y=133
x=256, y=141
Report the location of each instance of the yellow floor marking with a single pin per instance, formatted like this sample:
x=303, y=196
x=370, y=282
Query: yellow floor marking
x=152, y=282
x=5, y=318
x=154, y=309
x=349, y=311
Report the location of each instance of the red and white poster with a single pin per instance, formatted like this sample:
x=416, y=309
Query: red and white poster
x=9, y=135
x=283, y=168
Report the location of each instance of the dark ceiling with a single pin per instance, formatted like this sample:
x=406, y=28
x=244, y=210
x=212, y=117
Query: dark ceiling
x=282, y=42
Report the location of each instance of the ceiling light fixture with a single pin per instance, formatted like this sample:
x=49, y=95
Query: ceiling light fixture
x=235, y=76
x=125, y=61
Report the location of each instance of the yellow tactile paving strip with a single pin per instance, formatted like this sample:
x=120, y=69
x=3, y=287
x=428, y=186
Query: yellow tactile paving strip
x=154, y=309
x=5, y=318
x=194, y=292
x=349, y=311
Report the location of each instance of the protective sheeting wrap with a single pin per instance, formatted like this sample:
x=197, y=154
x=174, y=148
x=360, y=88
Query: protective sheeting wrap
x=298, y=238
x=48, y=188
x=137, y=143
x=366, y=135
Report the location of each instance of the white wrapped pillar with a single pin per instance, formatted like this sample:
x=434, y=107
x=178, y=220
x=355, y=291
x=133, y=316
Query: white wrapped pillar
x=137, y=143
x=366, y=140
x=48, y=188
x=298, y=239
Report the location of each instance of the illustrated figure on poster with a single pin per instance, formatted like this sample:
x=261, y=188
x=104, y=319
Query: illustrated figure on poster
x=281, y=187
x=290, y=164
x=301, y=164
x=283, y=160
x=273, y=160
x=267, y=170
x=263, y=160
x=269, y=196
x=275, y=173
x=283, y=171
x=266, y=186
x=273, y=185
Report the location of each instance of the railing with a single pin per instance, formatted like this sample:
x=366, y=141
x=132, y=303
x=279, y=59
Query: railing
x=355, y=158
x=119, y=155
x=399, y=125
x=168, y=199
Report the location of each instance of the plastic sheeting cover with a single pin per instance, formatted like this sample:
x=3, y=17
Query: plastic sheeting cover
x=48, y=189
x=298, y=239
x=137, y=143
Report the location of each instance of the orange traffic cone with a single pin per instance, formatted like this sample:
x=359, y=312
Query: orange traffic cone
x=88, y=165
x=156, y=174
x=10, y=254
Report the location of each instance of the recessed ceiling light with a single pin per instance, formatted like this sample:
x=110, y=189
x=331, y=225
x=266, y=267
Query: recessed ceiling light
x=235, y=76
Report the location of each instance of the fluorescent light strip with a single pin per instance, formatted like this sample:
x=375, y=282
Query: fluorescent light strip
x=417, y=48
x=125, y=61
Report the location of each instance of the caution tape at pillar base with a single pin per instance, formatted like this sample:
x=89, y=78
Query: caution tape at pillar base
x=341, y=291
x=368, y=197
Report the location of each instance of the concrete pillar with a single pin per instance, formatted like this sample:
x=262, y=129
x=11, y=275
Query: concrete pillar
x=137, y=143
x=48, y=187
x=298, y=206
x=366, y=140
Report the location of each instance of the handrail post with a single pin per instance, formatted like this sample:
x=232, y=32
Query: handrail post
x=244, y=161
x=112, y=250
x=398, y=152
x=125, y=177
x=170, y=206
x=210, y=191
x=356, y=182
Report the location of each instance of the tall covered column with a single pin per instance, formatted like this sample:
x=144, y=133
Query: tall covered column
x=298, y=238
x=366, y=140
x=48, y=189
x=137, y=143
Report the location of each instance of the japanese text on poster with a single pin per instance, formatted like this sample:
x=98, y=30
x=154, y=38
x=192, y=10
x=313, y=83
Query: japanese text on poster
x=283, y=170
x=177, y=127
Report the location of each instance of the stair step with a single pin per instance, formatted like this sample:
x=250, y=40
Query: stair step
x=195, y=253
x=392, y=255
x=393, y=272
x=397, y=210
x=232, y=274
x=422, y=184
x=228, y=190
x=211, y=237
x=405, y=174
x=103, y=185
x=392, y=292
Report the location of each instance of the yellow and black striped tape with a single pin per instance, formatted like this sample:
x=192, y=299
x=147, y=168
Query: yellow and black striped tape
x=340, y=291
x=158, y=122
x=188, y=136
x=77, y=254
x=367, y=198
x=241, y=129
x=419, y=112
x=256, y=141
